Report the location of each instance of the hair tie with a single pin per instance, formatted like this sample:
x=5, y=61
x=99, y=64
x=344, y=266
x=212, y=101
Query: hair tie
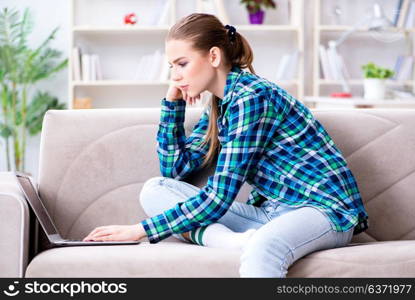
x=231, y=32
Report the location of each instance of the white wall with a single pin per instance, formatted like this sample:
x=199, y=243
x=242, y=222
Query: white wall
x=51, y=13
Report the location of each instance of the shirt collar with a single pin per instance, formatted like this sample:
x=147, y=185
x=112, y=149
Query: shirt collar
x=231, y=80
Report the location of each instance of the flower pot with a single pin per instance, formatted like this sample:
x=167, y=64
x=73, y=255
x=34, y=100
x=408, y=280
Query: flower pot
x=374, y=89
x=257, y=18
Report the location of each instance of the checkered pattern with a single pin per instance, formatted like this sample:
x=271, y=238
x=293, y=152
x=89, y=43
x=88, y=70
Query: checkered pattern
x=268, y=139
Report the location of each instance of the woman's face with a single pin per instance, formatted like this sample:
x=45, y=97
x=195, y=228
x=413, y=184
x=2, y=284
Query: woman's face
x=191, y=71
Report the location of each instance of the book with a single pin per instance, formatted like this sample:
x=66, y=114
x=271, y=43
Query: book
x=154, y=71
x=403, y=13
x=292, y=66
x=205, y=6
x=335, y=68
x=405, y=72
x=397, y=14
x=164, y=19
x=343, y=67
x=397, y=66
x=221, y=11
x=142, y=66
x=93, y=72
x=295, y=9
x=282, y=67
x=86, y=67
x=164, y=72
x=150, y=67
x=409, y=22
x=76, y=64
x=98, y=68
x=324, y=60
x=213, y=7
x=287, y=69
x=96, y=73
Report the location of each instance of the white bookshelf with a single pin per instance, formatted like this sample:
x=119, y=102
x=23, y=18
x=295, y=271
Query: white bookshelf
x=362, y=37
x=359, y=102
x=96, y=27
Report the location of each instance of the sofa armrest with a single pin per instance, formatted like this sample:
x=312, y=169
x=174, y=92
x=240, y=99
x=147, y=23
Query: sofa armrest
x=14, y=227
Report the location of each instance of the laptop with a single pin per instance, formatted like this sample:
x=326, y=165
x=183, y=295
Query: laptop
x=46, y=222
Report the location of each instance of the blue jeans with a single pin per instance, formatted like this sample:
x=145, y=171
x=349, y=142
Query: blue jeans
x=284, y=234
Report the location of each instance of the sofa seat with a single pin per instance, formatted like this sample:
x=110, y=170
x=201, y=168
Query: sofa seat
x=178, y=259
x=164, y=259
x=373, y=259
x=94, y=163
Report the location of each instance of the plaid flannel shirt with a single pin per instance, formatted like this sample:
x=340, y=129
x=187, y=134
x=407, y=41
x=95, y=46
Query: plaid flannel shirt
x=268, y=139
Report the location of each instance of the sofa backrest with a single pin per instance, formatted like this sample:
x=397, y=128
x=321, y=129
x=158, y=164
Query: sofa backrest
x=93, y=164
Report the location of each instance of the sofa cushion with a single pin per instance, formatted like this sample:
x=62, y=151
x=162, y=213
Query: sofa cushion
x=93, y=164
x=377, y=259
x=172, y=259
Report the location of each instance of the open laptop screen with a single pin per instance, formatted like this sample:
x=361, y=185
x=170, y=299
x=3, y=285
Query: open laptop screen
x=36, y=204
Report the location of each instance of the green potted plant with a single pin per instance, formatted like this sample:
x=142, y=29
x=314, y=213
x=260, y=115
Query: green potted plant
x=21, y=67
x=374, y=81
x=255, y=9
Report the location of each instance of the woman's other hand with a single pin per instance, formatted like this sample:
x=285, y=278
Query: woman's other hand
x=117, y=233
x=174, y=93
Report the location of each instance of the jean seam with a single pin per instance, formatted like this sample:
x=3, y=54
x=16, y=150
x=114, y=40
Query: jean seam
x=305, y=243
x=171, y=188
x=178, y=193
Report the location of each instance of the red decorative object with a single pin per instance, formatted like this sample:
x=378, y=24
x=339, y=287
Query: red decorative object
x=130, y=19
x=341, y=95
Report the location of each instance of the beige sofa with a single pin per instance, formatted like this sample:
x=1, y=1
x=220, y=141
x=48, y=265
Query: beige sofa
x=93, y=164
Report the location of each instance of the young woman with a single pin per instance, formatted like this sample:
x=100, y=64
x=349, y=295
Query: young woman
x=304, y=197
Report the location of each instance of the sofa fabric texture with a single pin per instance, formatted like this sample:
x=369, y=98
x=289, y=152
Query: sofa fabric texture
x=93, y=164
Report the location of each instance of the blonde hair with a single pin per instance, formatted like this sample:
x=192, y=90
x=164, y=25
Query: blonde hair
x=205, y=31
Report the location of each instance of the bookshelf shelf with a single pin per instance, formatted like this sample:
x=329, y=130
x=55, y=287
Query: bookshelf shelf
x=120, y=48
x=342, y=28
x=329, y=67
x=361, y=82
x=360, y=101
x=119, y=29
x=267, y=28
x=120, y=83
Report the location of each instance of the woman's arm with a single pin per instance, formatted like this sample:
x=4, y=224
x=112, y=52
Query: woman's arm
x=253, y=121
x=178, y=155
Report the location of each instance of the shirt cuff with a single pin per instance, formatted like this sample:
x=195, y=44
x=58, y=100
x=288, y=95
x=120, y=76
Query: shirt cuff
x=172, y=111
x=157, y=228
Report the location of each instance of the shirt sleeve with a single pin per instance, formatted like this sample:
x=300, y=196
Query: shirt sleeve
x=177, y=154
x=252, y=123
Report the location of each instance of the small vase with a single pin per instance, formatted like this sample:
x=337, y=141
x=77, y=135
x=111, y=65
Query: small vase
x=257, y=18
x=374, y=89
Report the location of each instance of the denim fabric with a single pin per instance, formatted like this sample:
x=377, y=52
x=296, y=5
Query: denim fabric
x=284, y=234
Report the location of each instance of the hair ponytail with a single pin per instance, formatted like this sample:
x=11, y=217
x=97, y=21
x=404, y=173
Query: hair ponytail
x=205, y=31
x=241, y=54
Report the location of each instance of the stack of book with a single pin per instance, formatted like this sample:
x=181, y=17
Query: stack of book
x=332, y=64
x=86, y=67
